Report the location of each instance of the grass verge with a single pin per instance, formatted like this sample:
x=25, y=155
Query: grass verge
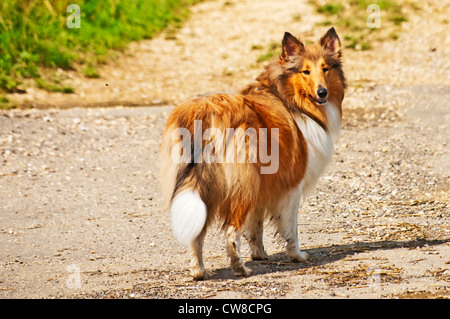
x=36, y=35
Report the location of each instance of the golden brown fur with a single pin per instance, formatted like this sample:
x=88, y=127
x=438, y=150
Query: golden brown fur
x=231, y=201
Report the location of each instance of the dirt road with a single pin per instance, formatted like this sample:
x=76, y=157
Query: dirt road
x=80, y=207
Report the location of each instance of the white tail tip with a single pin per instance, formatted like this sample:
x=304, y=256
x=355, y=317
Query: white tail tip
x=188, y=213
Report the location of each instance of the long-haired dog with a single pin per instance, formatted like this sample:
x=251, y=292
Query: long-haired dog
x=242, y=158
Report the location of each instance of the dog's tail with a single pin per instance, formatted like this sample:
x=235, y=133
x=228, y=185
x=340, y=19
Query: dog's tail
x=188, y=212
x=187, y=209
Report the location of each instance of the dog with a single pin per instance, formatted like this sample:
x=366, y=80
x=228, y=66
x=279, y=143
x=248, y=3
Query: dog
x=215, y=152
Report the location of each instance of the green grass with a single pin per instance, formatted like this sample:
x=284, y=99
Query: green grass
x=53, y=87
x=91, y=71
x=273, y=49
x=34, y=35
x=350, y=18
x=330, y=8
x=5, y=103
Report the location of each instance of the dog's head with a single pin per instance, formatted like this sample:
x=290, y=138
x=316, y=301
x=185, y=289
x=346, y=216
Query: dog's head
x=309, y=73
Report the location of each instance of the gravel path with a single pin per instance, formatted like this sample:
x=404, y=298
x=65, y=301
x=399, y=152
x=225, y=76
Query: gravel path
x=80, y=212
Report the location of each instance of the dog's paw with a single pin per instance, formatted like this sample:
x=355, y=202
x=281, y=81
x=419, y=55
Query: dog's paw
x=242, y=271
x=299, y=256
x=199, y=275
x=260, y=256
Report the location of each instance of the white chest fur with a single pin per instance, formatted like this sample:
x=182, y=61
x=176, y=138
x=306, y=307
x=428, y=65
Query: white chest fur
x=320, y=145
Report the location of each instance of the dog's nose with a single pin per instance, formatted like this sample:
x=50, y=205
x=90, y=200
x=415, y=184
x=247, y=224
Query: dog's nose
x=322, y=92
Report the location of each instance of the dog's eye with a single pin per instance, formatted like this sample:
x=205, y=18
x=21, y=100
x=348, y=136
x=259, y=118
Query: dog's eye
x=306, y=72
x=325, y=70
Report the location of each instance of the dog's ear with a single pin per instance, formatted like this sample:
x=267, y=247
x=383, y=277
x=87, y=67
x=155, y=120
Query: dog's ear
x=331, y=41
x=290, y=46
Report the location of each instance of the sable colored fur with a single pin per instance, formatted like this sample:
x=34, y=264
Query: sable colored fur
x=293, y=113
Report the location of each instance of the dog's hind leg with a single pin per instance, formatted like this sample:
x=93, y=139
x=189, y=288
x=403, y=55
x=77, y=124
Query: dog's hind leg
x=189, y=213
x=233, y=250
x=198, y=271
x=253, y=233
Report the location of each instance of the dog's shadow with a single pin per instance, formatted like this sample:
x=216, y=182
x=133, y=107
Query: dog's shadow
x=278, y=262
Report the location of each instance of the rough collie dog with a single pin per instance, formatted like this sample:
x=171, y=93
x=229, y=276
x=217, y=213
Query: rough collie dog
x=244, y=158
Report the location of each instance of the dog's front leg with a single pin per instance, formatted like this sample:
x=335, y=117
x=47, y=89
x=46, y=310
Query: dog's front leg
x=287, y=226
x=253, y=232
